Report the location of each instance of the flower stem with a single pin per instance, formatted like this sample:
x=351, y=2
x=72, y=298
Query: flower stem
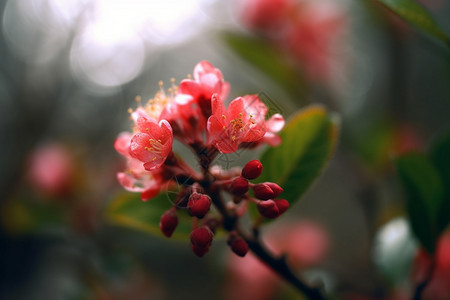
x=277, y=264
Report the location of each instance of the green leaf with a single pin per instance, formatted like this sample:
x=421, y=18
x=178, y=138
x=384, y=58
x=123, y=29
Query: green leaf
x=414, y=13
x=424, y=191
x=440, y=155
x=308, y=141
x=129, y=211
x=270, y=61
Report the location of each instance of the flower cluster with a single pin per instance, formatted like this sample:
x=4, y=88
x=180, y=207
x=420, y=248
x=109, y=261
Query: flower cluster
x=195, y=114
x=308, y=30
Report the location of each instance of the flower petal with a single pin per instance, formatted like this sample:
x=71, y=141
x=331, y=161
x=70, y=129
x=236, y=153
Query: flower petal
x=227, y=145
x=122, y=143
x=140, y=147
x=236, y=109
x=155, y=163
x=275, y=123
x=272, y=139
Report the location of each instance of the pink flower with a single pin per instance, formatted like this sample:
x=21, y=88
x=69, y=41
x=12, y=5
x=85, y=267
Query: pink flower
x=152, y=143
x=207, y=81
x=136, y=178
x=265, y=15
x=312, y=36
x=51, y=169
x=236, y=124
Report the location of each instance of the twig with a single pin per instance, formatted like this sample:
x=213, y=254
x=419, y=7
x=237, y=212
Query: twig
x=277, y=264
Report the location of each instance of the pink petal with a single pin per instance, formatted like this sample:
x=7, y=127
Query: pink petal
x=183, y=99
x=166, y=137
x=202, y=68
x=139, y=112
x=148, y=125
x=227, y=145
x=254, y=106
x=210, y=83
x=122, y=143
x=139, y=146
x=217, y=107
x=236, y=109
x=225, y=90
x=186, y=88
x=272, y=139
x=215, y=126
x=275, y=123
x=155, y=163
x=254, y=134
x=129, y=182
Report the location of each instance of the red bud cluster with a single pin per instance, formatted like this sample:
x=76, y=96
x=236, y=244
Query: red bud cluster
x=267, y=190
x=272, y=208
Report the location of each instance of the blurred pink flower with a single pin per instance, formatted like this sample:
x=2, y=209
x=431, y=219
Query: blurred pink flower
x=308, y=30
x=305, y=244
x=312, y=36
x=51, y=169
x=265, y=15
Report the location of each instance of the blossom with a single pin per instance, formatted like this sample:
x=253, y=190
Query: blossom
x=207, y=82
x=152, y=143
x=136, y=178
x=234, y=125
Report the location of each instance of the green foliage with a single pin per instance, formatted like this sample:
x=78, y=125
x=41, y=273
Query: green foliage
x=426, y=179
x=128, y=210
x=414, y=13
x=270, y=61
x=308, y=141
x=22, y=215
x=440, y=155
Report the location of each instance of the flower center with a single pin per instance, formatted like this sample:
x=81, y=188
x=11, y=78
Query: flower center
x=156, y=105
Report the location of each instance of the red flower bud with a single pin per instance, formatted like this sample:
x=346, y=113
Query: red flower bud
x=198, y=204
x=268, y=209
x=239, y=246
x=201, y=239
x=168, y=222
x=267, y=190
x=239, y=186
x=277, y=190
x=282, y=205
x=252, y=169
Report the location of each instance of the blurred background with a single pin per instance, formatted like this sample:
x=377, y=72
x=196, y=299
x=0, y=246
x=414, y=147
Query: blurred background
x=69, y=71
